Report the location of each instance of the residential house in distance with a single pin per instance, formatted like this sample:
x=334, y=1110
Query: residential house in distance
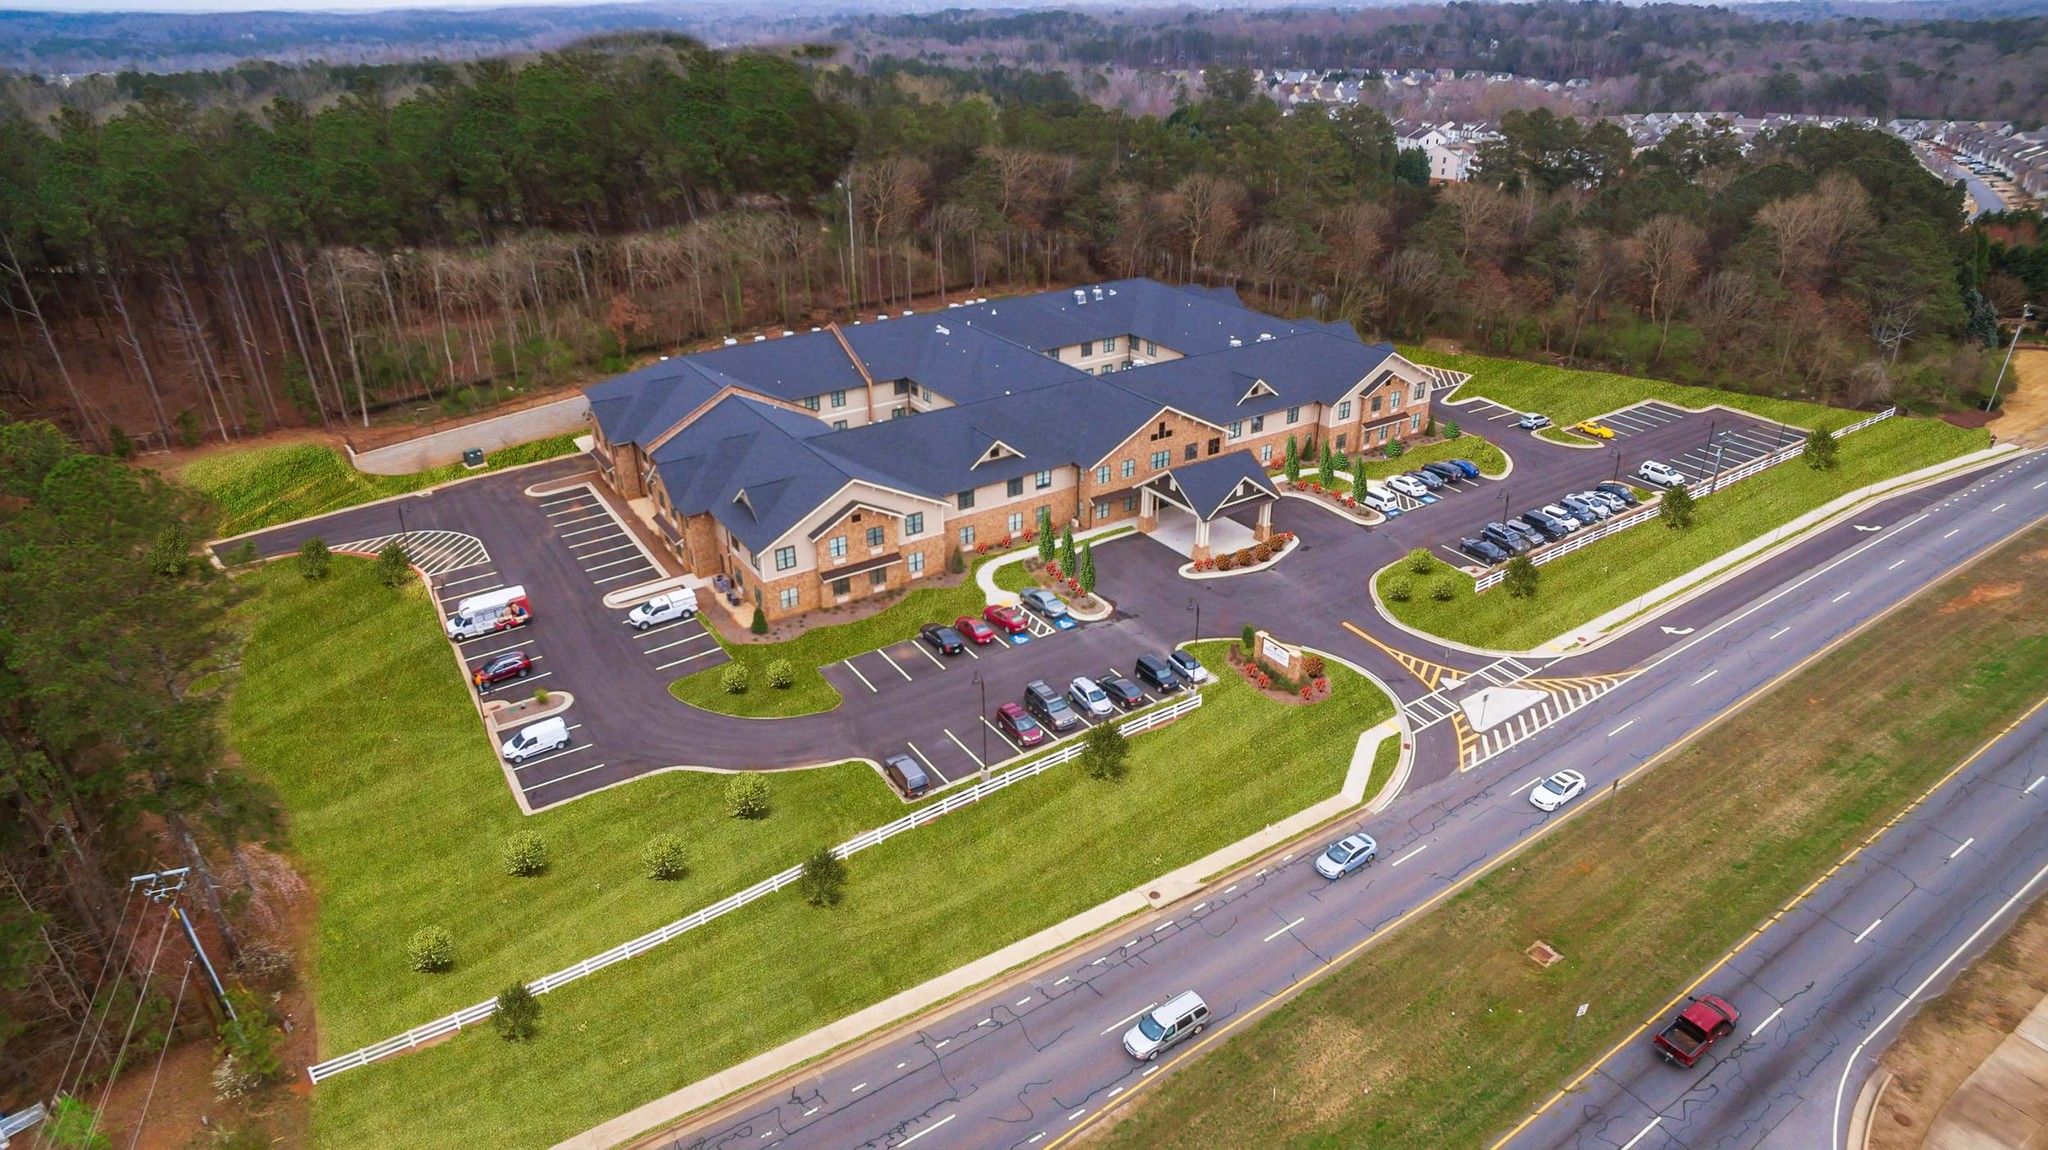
x=819, y=468
x=1452, y=148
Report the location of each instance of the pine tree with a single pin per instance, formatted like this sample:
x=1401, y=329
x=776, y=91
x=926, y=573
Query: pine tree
x=1086, y=570
x=1326, y=468
x=1045, y=536
x=1292, y=466
x=1359, y=487
x=1067, y=548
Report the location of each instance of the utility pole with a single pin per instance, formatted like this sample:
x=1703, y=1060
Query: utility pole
x=2026, y=313
x=162, y=887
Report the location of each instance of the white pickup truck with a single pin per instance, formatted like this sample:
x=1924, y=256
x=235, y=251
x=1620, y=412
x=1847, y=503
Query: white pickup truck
x=680, y=604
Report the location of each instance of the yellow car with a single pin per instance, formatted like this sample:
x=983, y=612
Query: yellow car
x=1594, y=429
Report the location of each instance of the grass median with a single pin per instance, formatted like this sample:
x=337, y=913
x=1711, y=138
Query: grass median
x=916, y=906
x=1596, y=579
x=264, y=486
x=1445, y=1034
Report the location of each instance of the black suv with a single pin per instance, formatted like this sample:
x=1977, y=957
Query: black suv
x=1158, y=672
x=1049, y=706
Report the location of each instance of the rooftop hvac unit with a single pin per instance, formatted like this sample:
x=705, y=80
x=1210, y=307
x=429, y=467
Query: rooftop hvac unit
x=1264, y=336
x=760, y=339
x=942, y=329
x=907, y=311
x=731, y=342
x=1098, y=293
x=1236, y=342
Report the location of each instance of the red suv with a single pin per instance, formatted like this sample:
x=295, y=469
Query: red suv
x=1010, y=618
x=977, y=632
x=512, y=665
x=1014, y=721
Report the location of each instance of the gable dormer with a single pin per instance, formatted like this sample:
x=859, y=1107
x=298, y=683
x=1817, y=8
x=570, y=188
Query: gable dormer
x=997, y=449
x=1256, y=389
x=739, y=498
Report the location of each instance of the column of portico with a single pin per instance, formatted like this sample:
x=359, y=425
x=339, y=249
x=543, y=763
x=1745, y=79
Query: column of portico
x=1264, y=530
x=1201, y=551
x=1148, y=510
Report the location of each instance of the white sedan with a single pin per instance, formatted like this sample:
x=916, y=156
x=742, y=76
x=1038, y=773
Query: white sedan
x=1557, y=790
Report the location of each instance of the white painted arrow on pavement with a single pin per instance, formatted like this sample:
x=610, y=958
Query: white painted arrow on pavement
x=1861, y=527
x=1676, y=630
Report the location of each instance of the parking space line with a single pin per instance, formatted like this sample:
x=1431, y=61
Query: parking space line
x=600, y=541
x=602, y=514
x=927, y=762
x=614, y=563
x=856, y=674
x=621, y=575
x=500, y=651
x=678, y=642
x=919, y=644
x=446, y=600
x=664, y=627
x=963, y=747
x=687, y=658
x=514, y=682
x=468, y=579
x=893, y=663
x=552, y=757
x=565, y=499
x=999, y=733
x=606, y=551
x=612, y=526
x=586, y=501
x=560, y=778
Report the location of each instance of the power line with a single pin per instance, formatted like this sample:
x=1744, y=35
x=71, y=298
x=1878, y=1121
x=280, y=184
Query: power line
x=141, y=996
x=97, y=986
x=184, y=980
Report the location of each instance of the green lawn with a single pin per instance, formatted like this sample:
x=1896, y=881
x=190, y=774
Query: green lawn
x=917, y=905
x=1590, y=582
x=1445, y=1035
x=265, y=486
x=1483, y=455
x=352, y=708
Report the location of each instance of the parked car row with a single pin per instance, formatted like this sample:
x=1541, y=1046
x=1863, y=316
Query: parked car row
x=1498, y=542
x=997, y=620
x=1046, y=712
x=1424, y=482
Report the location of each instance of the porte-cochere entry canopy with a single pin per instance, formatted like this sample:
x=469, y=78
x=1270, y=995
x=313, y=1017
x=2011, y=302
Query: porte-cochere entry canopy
x=1209, y=490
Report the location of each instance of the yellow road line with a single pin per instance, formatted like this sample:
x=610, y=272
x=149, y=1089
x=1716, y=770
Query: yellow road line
x=1428, y=672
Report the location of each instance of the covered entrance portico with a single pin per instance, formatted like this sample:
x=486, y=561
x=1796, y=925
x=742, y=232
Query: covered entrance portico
x=1185, y=508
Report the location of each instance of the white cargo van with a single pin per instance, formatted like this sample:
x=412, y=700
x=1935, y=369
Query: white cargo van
x=679, y=604
x=498, y=610
x=538, y=739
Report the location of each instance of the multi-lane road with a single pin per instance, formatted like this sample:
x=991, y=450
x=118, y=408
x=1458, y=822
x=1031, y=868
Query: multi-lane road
x=1037, y=1058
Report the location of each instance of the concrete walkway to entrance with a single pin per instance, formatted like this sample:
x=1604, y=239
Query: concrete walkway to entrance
x=2004, y=1103
x=1177, y=530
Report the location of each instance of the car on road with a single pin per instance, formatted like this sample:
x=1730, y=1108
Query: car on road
x=1190, y=668
x=1534, y=530
x=1466, y=466
x=1178, y=1017
x=1412, y=488
x=1705, y=1020
x=1049, y=606
x=1570, y=521
x=1621, y=491
x=1378, y=499
x=1158, y=672
x=1557, y=790
x=1594, y=428
x=1347, y=854
x=510, y=665
x=1483, y=551
x=538, y=739
x=1446, y=471
x=1533, y=422
x=1049, y=706
x=1012, y=720
x=664, y=609
x=1506, y=538
x=977, y=631
x=1089, y=697
x=906, y=775
x=1122, y=691
x=1661, y=474
x=943, y=639
x=1429, y=480
x=1006, y=617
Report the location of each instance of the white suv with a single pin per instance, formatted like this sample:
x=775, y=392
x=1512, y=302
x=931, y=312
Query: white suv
x=1661, y=474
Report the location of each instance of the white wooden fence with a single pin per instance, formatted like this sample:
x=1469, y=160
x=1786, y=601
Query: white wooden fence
x=19, y=1121
x=470, y=1016
x=1640, y=515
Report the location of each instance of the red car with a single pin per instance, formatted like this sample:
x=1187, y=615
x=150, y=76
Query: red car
x=512, y=665
x=1009, y=618
x=977, y=632
x=1014, y=721
x=1704, y=1021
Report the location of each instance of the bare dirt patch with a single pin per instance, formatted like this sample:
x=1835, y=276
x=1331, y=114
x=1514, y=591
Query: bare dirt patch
x=1981, y=594
x=2023, y=414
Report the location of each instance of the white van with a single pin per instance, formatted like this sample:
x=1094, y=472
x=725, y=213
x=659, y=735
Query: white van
x=1176, y=1018
x=538, y=739
x=661, y=609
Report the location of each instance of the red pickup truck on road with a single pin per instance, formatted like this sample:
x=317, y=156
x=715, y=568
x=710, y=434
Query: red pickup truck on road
x=1702, y=1023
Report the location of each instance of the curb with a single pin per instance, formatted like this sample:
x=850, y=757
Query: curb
x=1867, y=1102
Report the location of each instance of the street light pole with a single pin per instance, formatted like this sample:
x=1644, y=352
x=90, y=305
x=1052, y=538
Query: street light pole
x=2026, y=313
x=1195, y=605
x=1504, y=505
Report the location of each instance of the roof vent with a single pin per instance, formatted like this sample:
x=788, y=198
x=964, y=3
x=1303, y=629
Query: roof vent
x=952, y=305
x=1098, y=293
x=760, y=339
x=664, y=359
x=1112, y=291
x=817, y=329
x=882, y=316
x=1264, y=336
x=730, y=341
x=786, y=331
x=1236, y=342
x=942, y=329
x=907, y=311
x=1080, y=296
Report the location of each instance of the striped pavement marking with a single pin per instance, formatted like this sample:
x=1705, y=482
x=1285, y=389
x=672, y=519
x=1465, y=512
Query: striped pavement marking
x=434, y=552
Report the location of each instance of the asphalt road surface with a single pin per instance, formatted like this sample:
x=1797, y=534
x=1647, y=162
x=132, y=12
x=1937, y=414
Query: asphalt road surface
x=1038, y=1057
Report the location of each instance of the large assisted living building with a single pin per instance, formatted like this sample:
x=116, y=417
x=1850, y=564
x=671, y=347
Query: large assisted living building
x=823, y=467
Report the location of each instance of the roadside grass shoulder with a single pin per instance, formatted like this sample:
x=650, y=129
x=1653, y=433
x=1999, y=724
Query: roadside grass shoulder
x=265, y=486
x=1444, y=1034
x=915, y=906
x=350, y=707
x=1598, y=578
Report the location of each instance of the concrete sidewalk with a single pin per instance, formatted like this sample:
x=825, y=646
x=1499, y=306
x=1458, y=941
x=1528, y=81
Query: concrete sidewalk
x=1168, y=888
x=2004, y=1102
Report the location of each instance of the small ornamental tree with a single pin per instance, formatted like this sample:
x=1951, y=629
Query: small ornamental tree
x=1067, y=558
x=1676, y=508
x=517, y=1018
x=1395, y=449
x=1429, y=429
x=1521, y=578
x=1046, y=542
x=1250, y=636
x=759, y=626
x=665, y=858
x=746, y=797
x=1326, y=468
x=1358, y=483
x=1821, y=450
x=314, y=558
x=1452, y=430
x=781, y=674
x=1292, y=466
x=823, y=880
x=1420, y=561
x=1105, y=753
x=393, y=565
x=1084, y=573
x=525, y=854
x=430, y=950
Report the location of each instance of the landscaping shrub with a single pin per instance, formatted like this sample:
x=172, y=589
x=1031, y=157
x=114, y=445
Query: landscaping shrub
x=518, y=1015
x=1521, y=578
x=1420, y=561
x=1086, y=575
x=746, y=797
x=1066, y=554
x=1105, y=752
x=1444, y=590
x=394, y=567
x=734, y=678
x=1225, y=562
x=525, y=854
x=665, y=858
x=1312, y=666
x=781, y=674
x=759, y=626
x=1291, y=465
x=541, y=696
x=1046, y=543
x=1676, y=509
x=1398, y=590
x=430, y=950
x=1326, y=467
x=1452, y=430
x=956, y=563
x=1395, y=449
x=1243, y=555
x=1822, y=450
x=314, y=559
x=1250, y=636
x=824, y=877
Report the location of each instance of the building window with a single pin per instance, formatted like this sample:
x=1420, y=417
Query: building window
x=842, y=587
x=878, y=577
x=1042, y=480
x=1016, y=522
x=1344, y=410
x=1087, y=349
x=811, y=401
x=1187, y=454
x=1293, y=413
x=1421, y=392
x=1383, y=435
x=1052, y=352
x=1394, y=402
x=913, y=524
x=902, y=387
x=1415, y=423
x=899, y=413
x=1237, y=429
x=1258, y=424
x=1102, y=474
x=964, y=500
x=1109, y=345
x=1340, y=443
x=785, y=558
x=875, y=536
x=1215, y=445
x=1102, y=509
x=1129, y=468
x=839, y=425
x=1150, y=348
x=967, y=536
x=916, y=562
x=838, y=399
x=1160, y=459
x=1130, y=504
x=1266, y=453
x=1015, y=487
x=786, y=597
x=1375, y=405
x=837, y=547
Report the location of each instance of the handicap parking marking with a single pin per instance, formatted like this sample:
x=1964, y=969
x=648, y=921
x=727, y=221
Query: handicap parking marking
x=893, y=663
x=688, y=658
x=848, y=663
x=963, y=747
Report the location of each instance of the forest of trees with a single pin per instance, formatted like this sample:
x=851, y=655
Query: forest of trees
x=176, y=274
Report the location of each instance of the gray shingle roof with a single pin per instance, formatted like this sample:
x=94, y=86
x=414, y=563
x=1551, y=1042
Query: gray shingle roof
x=1208, y=483
x=1309, y=367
